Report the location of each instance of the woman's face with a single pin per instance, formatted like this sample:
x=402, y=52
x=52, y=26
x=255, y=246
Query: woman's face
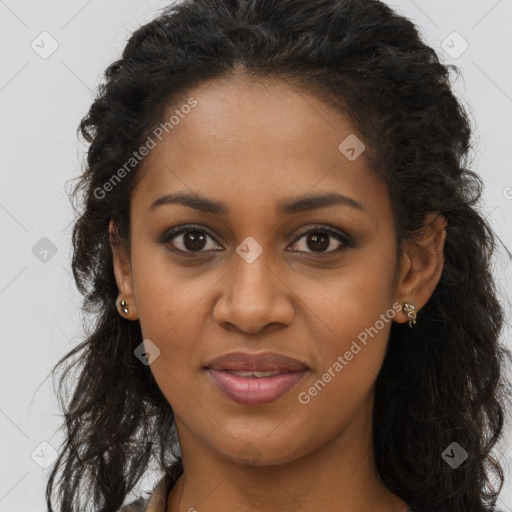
x=248, y=277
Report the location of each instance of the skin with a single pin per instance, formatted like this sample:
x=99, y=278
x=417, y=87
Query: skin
x=252, y=145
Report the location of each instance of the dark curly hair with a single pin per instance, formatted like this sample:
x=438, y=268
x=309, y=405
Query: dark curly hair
x=442, y=381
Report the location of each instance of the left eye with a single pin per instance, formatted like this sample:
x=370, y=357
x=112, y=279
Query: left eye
x=194, y=240
x=319, y=240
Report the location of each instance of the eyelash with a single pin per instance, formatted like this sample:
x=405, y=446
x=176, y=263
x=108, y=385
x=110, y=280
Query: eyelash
x=173, y=233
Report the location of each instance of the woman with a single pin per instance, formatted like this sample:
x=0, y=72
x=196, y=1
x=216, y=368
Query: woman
x=290, y=280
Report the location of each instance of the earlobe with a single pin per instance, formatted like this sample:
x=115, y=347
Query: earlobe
x=422, y=266
x=125, y=301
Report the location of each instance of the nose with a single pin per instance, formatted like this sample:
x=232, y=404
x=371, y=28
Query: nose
x=253, y=297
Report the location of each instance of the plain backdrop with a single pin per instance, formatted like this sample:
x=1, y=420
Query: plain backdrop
x=53, y=55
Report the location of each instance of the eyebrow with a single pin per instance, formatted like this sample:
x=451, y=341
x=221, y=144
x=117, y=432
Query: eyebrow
x=291, y=206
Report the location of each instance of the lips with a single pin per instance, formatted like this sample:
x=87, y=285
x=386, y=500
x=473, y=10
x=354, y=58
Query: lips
x=262, y=362
x=255, y=379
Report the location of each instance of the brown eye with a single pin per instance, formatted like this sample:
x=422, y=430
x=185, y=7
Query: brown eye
x=189, y=240
x=319, y=240
x=194, y=240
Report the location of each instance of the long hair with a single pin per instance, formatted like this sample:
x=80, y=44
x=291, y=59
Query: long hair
x=441, y=382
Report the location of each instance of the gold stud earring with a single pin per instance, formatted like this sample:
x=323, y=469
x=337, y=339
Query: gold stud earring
x=124, y=306
x=410, y=309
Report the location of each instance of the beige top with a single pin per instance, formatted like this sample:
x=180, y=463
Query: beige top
x=158, y=500
x=156, y=503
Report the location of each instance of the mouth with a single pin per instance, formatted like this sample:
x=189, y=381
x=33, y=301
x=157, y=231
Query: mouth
x=254, y=387
x=255, y=362
x=255, y=378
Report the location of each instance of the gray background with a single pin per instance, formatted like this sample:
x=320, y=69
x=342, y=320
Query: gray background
x=42, y=99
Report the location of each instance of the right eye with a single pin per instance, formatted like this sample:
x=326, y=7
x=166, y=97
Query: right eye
x=188, y=240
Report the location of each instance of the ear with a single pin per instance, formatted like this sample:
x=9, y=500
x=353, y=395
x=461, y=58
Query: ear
x=123, y=273
x=421, y=265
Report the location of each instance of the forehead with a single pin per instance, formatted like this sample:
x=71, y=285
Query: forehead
x=259, y=139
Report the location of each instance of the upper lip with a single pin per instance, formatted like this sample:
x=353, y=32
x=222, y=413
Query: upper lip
x=261, y=362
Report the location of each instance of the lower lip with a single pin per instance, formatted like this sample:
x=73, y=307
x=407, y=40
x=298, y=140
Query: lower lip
x=255, y=390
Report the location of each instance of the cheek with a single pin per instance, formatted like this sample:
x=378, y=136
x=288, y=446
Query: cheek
x=353, y=296
x=356, y=310
x=351, y=356
x=169, y=304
